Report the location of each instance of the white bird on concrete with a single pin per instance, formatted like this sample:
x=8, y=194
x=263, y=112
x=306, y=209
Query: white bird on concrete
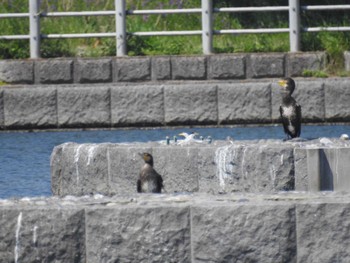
x=344, y=137
x=189, y=138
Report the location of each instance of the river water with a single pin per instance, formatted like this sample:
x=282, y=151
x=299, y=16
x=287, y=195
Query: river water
x=25, y=156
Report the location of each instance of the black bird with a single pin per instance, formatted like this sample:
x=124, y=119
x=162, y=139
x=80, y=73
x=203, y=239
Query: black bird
x=290, y=110
x=149, y=181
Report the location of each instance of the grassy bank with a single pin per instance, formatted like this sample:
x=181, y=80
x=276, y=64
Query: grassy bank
x=334, y=43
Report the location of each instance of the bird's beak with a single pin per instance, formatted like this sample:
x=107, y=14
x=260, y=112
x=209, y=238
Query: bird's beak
x=141, y=154
x=282, y=83
x=181, y=134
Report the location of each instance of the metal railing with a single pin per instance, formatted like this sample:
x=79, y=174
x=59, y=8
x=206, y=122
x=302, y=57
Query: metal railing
x=206, y=10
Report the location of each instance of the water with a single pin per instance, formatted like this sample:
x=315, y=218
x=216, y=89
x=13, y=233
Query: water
x=25, y=156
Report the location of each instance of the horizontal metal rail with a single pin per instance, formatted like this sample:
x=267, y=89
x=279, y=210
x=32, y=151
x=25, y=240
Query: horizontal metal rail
x=14, y=37
x=207, y=31
x=330, y=29
x=80, y=13
x=251, y=9
x=324, y=7
x=14, y=15
x=80, y=35
x=164, y=11
x=251, y=31
x=167, y=33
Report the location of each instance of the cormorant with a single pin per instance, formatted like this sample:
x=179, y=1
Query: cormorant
x=290, y=110
x=149, y=181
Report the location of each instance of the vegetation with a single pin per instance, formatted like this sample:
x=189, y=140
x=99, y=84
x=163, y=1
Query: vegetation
x=334, y=43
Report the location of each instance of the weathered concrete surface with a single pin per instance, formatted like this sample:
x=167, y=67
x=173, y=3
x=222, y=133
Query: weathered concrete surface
x=17, y=71
x=137, y=106
x=323, y=232
x=90, y=71
x=285, y=227
x=244, y=233
x=263, y=166
x=160, y=68
x=191, y=104
x=337, y=97
x=170, y=103
x=266, y=65
x=244, y=103
x=53, y=71
x=30, y=107
x=81, y=107
x=226, y=67
x=139, y=234
x=296, y=63
x=41, y=234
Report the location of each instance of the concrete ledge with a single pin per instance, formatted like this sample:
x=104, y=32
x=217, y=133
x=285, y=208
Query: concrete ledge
x=171, y=103
x=288, y=227
x=266, y=166
x=160, y=68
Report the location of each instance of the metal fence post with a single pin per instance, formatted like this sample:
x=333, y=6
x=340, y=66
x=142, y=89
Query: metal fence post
x=120, y=20
x=207, y=26
x=294, y=25
x=34, y=28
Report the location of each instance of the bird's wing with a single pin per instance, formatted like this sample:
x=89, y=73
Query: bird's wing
x=284, y=122
x=297, y=122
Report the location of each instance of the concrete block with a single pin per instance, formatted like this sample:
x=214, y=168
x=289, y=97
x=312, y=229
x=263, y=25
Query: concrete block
x=191, y=104
x=244, y=103
x=296, y=63
x=189, y=67
x=243, y=233
x=226, y=67
x=322, y=232
x=138, y=234
x=2, y=119
x=255, y=167
x=93, y=70
x=208, y=179
x=79, y=169
x=300, y=168
x=178, y=168
x=337, y=97
x=30, y=108
x=161, y=68
x=265, y=65
x=17, y=71
x=133, y=69
x=328, y=169
x=83, y=107
x=310, y=96
x=42, y=234
x=54, y=71
x=347, y=60
x=137, y=105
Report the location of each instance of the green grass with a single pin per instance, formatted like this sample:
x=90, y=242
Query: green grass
x=334, y=43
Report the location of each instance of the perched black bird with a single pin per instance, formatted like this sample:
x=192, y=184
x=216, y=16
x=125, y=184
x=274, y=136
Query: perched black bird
x=290, y=110
x=150, y=181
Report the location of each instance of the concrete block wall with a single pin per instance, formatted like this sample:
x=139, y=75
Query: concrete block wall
x=267, y=166
x=292, y=227
x=168, y=104
x=159, y=68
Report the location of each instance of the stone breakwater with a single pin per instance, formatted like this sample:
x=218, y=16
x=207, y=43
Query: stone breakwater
x=288, y=227
x=260, y=166
x=168, y=104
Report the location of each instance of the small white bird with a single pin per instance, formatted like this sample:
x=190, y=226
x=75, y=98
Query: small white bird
x=344, y=137
x=188, y=138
